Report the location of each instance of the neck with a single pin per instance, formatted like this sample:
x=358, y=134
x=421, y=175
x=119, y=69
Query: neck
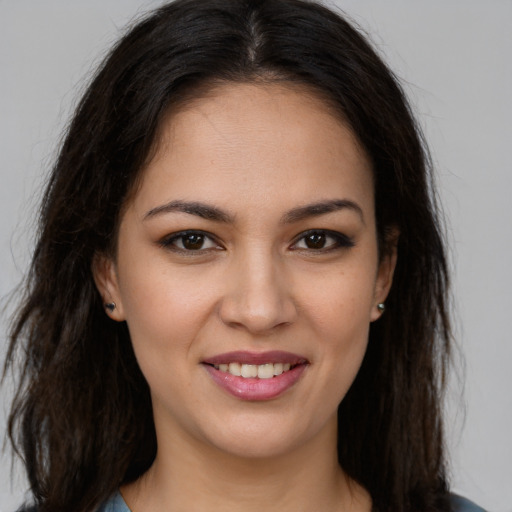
x=201, y=477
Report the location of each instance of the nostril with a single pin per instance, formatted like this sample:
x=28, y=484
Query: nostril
x=257, y=296
x=239, y=313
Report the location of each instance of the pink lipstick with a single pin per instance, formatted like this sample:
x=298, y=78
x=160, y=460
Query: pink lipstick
x=256, y=375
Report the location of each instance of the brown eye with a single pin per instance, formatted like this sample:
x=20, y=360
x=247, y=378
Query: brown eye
x=189, y=241
x=315, y=240
x=193, y=241
x=322, y=240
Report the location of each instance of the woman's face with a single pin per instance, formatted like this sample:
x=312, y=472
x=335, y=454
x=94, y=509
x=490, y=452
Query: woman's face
x=250, y=248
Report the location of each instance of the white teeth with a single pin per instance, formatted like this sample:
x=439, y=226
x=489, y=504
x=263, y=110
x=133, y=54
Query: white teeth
x=249, y=370
x=234, y=369
x=262, y=371
x=265, y=371
x=278, y=368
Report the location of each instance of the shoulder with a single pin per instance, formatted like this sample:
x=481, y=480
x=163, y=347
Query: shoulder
x=114, y=504
x=461, y=504
x=117, y=504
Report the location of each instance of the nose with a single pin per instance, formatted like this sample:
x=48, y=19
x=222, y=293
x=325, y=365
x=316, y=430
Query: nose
x=258, y=296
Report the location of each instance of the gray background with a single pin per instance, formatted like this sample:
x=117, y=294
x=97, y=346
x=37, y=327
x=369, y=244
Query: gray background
x=455, y=59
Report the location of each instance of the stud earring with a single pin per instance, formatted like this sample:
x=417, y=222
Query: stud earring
x=381, y=307
x=110, y=306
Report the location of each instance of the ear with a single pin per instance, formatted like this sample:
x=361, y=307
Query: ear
x=385, y=272
x=105, y=277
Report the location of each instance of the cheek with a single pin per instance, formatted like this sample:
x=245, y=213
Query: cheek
x=164, y=311
x=157, y=296
x=163, y=323
x=339, y=312
x=344, y=330
x=345, y=345
x=340, y=301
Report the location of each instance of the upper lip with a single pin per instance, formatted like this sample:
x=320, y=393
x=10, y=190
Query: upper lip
x=256, y=358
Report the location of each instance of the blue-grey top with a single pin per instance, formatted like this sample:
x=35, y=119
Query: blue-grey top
x=117, y=504
x=461, y=504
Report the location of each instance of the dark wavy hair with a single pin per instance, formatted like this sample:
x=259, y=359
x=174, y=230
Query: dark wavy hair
x=82, y=417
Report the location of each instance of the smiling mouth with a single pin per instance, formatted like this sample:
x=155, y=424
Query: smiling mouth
x=251, y=371
x=256, y=376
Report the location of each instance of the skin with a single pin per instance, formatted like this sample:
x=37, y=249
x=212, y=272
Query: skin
x=257, y=153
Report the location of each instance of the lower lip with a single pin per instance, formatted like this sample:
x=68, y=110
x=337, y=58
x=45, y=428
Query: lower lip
x=253, y=388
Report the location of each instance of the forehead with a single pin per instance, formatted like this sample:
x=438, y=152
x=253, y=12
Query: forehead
x=240, y=141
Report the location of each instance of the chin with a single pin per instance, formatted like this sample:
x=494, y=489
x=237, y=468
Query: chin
x=266, y=437
x=255, y=446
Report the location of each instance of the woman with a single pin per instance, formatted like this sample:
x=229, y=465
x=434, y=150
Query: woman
x=238, y=295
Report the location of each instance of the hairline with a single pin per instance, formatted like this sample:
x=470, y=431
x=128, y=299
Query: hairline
x=209, y=87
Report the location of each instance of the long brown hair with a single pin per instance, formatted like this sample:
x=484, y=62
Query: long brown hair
x=82, y=418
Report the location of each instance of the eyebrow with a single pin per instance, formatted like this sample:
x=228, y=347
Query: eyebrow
x=209, y=212
x=321, y=208
x=202, y=210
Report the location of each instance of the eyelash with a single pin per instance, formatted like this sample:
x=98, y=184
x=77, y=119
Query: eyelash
x=169, y=242
x=340, y=241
